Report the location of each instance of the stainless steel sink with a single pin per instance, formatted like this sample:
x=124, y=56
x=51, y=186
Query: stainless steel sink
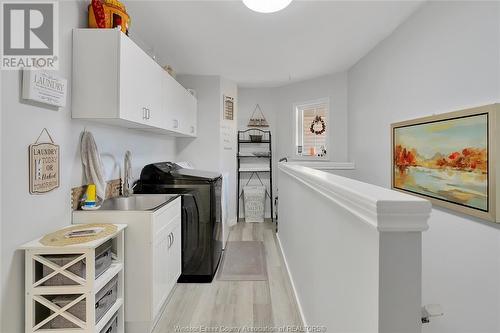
x=138, y=202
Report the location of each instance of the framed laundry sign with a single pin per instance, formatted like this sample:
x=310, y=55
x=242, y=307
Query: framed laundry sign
x=44, y=165
x=44, y=87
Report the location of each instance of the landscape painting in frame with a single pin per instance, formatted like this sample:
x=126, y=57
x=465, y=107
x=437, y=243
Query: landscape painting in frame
x=445, y=160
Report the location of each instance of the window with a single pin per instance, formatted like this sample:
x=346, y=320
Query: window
x=311, y=130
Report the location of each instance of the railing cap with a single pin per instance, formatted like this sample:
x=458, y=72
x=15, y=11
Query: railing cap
x=382, y=208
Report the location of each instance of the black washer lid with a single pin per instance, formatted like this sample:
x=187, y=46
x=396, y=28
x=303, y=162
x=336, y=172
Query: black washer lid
x=192, y=173
x=165, y=172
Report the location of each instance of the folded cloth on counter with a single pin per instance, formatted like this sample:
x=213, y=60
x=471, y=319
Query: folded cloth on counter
x=93, y=168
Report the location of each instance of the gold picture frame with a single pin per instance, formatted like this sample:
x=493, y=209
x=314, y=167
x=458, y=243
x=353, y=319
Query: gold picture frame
x=450, y=159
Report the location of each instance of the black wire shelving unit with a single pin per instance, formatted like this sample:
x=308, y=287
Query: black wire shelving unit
x=261, y=138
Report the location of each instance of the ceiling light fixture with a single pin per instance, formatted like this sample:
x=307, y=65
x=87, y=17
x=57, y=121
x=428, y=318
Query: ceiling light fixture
x=266, y=6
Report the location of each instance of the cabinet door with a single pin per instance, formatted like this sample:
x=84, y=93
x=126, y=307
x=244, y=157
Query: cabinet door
x=155, y=111
x=174, y=253
x=188, y=105
x=160, y=281
x=192, y=114
x=95, y=86
x=161, y=235
x=134, y=76
x=172, y=120
x=140, y=85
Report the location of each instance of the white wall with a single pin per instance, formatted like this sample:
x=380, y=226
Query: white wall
x=354, y=255
x=26, y=216
x=444, y=58
x=203, y=151
x=333, y=87
x=207, y=151
x=276, y=103
x=228, y=129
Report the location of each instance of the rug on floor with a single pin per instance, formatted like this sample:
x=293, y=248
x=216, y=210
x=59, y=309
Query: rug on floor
x=243, y=261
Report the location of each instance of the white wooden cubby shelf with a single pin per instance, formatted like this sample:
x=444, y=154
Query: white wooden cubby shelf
x=41, y=309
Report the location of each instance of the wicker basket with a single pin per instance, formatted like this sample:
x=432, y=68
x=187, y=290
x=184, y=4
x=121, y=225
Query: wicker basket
x=256, y=137
x=102, y=263
x=105, y=298
x=254, y=203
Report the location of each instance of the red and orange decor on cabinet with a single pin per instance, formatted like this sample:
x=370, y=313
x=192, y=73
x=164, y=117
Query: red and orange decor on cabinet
x=108, y=14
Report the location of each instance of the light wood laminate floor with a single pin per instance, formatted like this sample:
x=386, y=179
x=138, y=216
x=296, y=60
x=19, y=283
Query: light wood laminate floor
x=236, y=303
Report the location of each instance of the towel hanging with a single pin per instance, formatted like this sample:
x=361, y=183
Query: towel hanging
x=93, y=168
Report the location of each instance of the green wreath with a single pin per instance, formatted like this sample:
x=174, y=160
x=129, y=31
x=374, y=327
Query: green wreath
x=318, y=120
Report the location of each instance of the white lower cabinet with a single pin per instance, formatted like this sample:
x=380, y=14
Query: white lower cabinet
x=166, y=261
x=153, y=258
x=174, y=260
x=160, y=268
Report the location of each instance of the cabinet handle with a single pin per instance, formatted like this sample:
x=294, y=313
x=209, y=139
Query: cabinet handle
x=173, y=238
x=176, y=123
x=192, y=129
x=149, y=114
x=169, y=240
x=144, y=113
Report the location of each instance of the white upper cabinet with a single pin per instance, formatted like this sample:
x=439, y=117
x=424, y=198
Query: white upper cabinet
x=188, y=101
x=176, y=100
x=139, y=85
x=116, y=82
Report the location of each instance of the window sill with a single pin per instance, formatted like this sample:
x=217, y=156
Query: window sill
x=324, y=165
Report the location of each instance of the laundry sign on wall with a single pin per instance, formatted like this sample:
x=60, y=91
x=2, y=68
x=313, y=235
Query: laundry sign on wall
x=44, y=87
x=44, y=165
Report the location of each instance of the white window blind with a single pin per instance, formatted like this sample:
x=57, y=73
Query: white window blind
x=313, y=115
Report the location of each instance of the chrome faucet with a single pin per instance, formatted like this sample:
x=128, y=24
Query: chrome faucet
x=128, y=188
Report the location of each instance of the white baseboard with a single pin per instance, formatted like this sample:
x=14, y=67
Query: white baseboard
x=295, y=294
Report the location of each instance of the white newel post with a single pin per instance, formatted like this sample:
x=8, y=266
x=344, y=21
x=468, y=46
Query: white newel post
x=353, y=251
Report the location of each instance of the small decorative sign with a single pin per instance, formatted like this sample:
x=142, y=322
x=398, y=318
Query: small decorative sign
x=44, y=165
x=257, y=120
x=228, y=108
x=44, y=87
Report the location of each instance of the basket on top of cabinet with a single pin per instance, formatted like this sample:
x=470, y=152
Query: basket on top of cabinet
x=77, y=288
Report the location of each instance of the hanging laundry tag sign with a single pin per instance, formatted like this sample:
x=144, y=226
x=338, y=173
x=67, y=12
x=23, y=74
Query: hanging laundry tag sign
x=44, y=165
x=228, y=108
